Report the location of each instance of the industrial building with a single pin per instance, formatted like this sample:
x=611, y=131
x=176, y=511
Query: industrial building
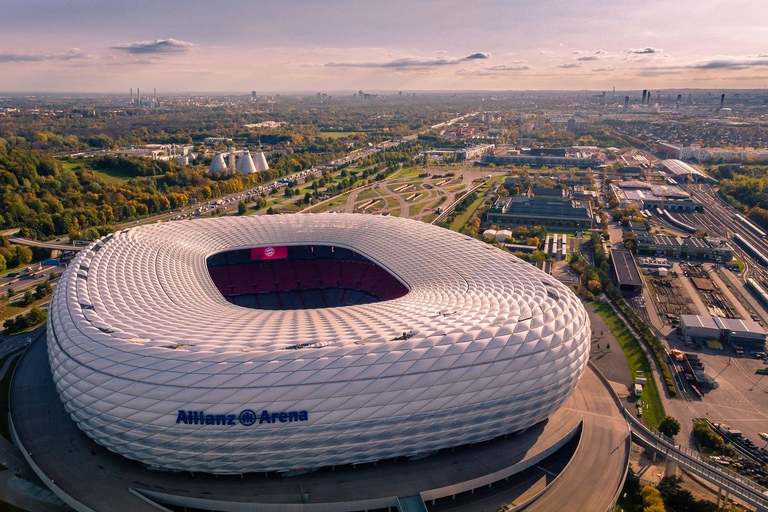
x=712, y=249
x=746, y=334
x=548, y=211
x=647, y=195
x=682, y=172
x=626, y=273
x=539, y=157
x=238, y=161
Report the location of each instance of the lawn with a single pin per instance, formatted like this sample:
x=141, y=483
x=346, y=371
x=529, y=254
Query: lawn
x=462, y=219
x=636, y=360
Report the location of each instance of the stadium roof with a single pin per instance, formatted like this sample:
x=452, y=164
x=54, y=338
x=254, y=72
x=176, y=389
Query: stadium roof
x=139, y=333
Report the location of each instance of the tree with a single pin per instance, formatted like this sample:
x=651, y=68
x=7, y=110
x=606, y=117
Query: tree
x=241, y=208
x=3, y=265
x=669, y=426
x=28, y=299
x=24, y=254
x=43, y=290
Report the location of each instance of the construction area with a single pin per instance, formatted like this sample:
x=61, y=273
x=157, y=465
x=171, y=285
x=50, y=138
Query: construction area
x=715, y=301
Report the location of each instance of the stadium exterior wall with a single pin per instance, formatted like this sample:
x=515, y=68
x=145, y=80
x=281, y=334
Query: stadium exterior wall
x=148, y=357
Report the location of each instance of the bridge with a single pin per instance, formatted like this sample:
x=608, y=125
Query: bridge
x=47, y=245
x=724, y=479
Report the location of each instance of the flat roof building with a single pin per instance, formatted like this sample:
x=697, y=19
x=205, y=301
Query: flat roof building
x=647, y=195
x=747, y=334
x=553, y=212
x=625, y=271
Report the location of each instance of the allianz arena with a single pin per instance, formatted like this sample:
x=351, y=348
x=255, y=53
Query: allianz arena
x=272, y=343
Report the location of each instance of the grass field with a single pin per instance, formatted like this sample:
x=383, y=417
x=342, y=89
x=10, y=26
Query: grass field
x=462, y=219
x=636, y=360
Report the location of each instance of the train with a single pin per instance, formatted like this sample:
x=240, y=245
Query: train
x=750, y=226
x=676, y=222
x=758, y=290
x=751, y=249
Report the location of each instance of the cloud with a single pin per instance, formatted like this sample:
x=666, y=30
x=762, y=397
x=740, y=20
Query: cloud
x=603, y=70
x=156, y=46
x=648, y=50
x=570, y=65
x=495, y=70
x=410, y=62
x=589, y=52
x=745, y=62
x=74, y=53
x=588, y=58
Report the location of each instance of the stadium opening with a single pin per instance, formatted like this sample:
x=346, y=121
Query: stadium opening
x=301, y=277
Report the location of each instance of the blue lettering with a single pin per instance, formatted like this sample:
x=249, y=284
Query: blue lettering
x=247, y=417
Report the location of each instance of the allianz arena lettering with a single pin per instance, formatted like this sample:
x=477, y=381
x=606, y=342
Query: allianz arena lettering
x=246, y=417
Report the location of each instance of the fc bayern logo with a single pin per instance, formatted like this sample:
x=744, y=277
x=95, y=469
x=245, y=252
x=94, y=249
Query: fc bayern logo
x=269, y=252
x=247, y=417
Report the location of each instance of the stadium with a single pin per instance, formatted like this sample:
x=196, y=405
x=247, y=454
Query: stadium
x=307, y=340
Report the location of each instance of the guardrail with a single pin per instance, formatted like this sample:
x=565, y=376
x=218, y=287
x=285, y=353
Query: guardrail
x=735, y=484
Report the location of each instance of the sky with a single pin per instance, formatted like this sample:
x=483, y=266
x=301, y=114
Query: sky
x=408, y=45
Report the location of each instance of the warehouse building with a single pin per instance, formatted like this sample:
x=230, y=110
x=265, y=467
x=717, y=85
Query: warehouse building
x=746, y=334
x=626, y=272
x=552, y=212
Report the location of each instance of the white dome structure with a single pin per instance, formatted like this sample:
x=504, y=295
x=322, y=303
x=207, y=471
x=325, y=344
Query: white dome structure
x=261, y=162
x=245, y=163
x=448, y=342
x=218, y=164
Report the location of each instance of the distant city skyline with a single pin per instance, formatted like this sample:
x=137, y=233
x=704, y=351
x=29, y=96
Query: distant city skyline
x=295, y=45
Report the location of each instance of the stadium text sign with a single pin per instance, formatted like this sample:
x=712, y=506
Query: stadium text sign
x=246, y=417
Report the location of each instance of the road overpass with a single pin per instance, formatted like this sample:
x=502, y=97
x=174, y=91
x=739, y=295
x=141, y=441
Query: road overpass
x=46, y=245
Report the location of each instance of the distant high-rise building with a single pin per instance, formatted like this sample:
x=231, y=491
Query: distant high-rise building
x=131, y=95
x=679, y=99
x=722, y=100
x=648, y=98
x=626, y=102
x=138, y=97
x=253, y=95
x=645, y=94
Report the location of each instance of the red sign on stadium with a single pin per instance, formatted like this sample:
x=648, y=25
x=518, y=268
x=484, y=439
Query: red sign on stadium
x=269, y=253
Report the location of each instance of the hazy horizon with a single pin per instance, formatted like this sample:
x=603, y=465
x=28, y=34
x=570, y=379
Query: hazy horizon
x=343, y=45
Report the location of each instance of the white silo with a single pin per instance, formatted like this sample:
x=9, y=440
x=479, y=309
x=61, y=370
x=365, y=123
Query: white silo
x=218, y=164
x=245, y=163
x=261, y=162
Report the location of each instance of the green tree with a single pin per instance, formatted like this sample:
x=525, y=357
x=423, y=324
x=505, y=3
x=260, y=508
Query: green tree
x=669, y=426
x=28, y=299
x=43, y=290
x=241, y=208
x=3, y=265
x=24, y=254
